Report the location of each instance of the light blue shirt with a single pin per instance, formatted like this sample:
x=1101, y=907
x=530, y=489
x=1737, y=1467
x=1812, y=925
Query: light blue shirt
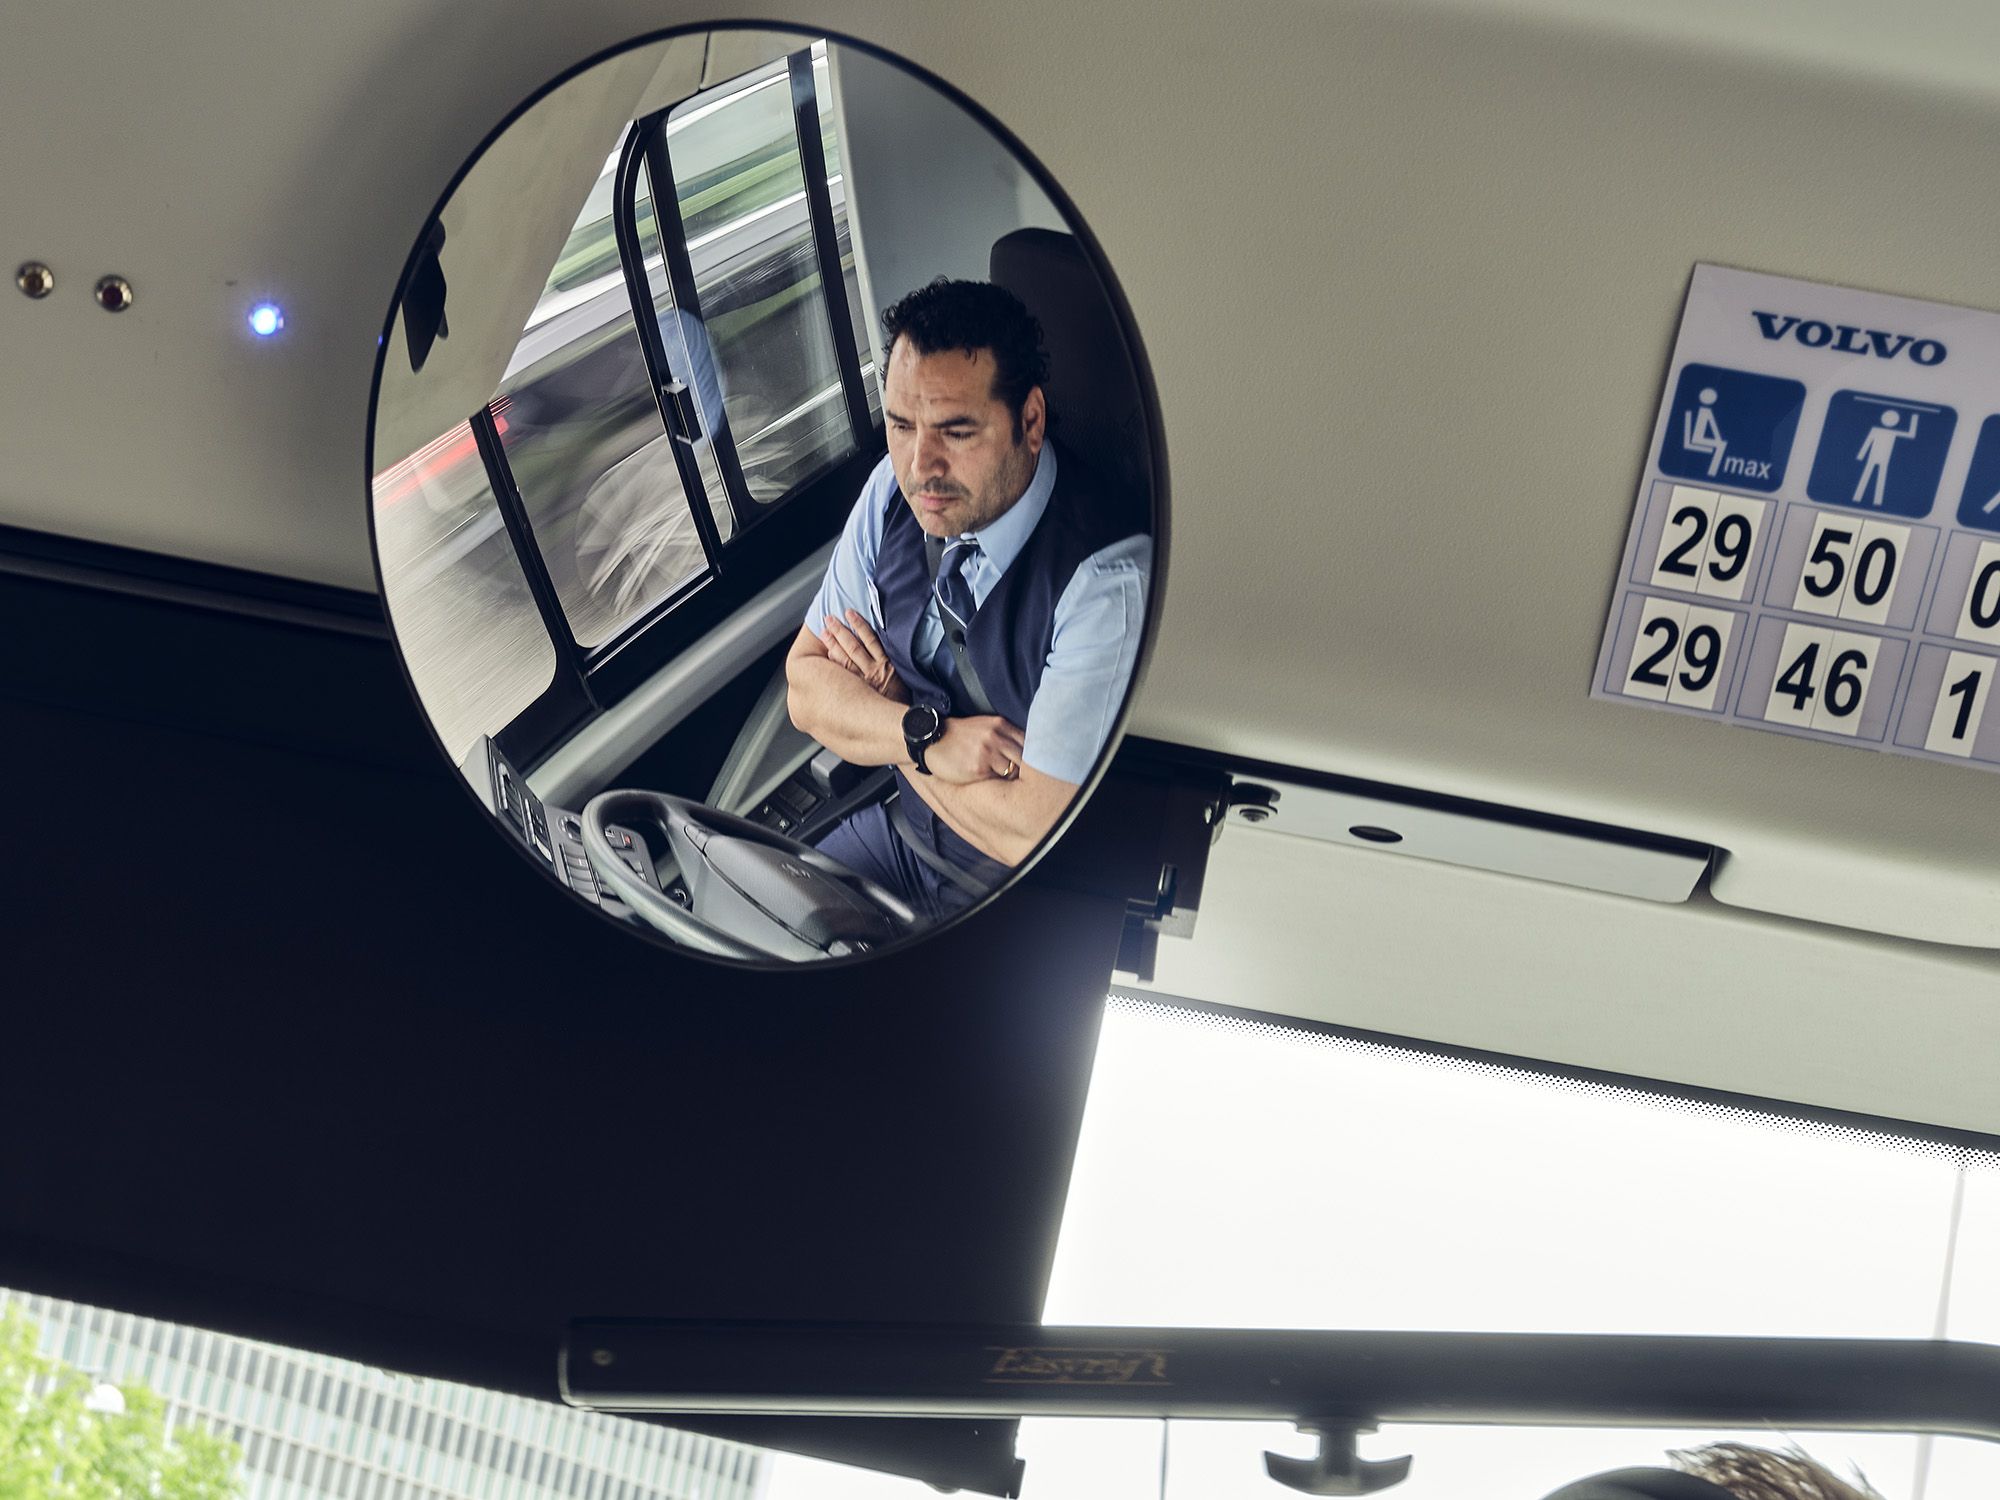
x=1097, y=626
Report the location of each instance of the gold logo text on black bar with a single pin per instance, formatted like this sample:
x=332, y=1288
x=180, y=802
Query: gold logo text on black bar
x=1066, y=1366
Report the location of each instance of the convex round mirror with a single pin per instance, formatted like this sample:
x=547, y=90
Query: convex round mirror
x=764, y=493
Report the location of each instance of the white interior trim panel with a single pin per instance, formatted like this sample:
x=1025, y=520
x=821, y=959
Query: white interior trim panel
x=1696, y=993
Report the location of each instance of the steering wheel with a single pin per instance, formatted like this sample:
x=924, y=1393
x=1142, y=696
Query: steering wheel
x=755, y=894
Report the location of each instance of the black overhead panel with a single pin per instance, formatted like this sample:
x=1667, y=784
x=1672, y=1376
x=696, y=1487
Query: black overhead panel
x=1316, y=1380
x=317, y=1059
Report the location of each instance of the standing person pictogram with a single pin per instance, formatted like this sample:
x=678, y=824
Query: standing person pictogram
x=1731, y=427
x=1979, y=504
x=1876, y=451
x=1882, y=452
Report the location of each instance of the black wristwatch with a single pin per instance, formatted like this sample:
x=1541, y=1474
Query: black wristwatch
x=922, y=726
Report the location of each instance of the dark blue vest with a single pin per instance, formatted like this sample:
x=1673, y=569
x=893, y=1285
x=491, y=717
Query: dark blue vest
x=1011, y=634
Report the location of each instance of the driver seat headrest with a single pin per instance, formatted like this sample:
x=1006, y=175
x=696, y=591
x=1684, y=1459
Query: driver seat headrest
x=1641, y=1484
x=1093, y=388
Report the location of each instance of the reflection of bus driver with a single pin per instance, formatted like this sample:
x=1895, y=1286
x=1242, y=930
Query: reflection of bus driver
x=980, y=617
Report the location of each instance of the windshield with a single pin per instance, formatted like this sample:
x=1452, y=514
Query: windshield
x=1235, y=1171
x=1231, y=1172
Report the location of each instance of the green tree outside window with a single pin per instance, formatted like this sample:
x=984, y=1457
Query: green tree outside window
x=59, y=1443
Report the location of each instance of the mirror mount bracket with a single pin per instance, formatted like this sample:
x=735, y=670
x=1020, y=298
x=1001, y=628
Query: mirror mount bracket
x=1337, y=1468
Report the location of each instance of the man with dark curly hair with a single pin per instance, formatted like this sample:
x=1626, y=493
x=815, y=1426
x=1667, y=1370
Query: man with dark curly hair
x=1764, y=1474
x=981, y=614
x=1723, y=1471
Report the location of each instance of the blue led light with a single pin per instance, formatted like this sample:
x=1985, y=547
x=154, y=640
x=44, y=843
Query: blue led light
x=266, y=318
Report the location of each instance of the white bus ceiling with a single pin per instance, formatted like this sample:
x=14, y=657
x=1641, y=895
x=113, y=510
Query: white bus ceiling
x=505, y=225
x=1407, y=275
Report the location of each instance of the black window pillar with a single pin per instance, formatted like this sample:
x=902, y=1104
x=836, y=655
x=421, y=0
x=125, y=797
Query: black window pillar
x=572, y=693
x=672, y=392
x=826, y=240
x=679, y=267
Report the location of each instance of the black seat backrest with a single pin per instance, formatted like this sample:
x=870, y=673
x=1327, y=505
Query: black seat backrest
x=1093, y=389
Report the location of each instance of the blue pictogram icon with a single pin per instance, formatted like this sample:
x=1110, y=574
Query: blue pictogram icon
x=1881, y=453
x=1979, y=506
x=1731, y=428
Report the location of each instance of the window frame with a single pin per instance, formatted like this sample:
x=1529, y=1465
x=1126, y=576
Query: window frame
x=668, y=390
x=826, y=240
x=768, y=539
x=649, y=137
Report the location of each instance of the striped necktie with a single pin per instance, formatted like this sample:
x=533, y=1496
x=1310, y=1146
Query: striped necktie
x=954, y=594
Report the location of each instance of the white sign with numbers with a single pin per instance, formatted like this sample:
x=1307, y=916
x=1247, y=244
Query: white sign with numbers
x=1815, y=547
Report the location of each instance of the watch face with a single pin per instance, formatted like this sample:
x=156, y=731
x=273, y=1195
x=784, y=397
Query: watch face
x=921, y=723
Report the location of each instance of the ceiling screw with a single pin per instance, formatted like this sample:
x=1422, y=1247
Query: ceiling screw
x=602, y=1357
x=35, y=279
x=114, y=294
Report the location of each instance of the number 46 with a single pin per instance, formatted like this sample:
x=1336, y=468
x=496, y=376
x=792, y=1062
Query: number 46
x=1822, y=679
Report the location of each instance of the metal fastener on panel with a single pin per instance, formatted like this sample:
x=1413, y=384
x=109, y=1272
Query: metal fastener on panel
x=35, y=279
x=114, y=293
x=602, y=1357
x=1253, y=802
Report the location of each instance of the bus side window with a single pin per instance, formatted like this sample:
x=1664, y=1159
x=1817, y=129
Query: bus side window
x=740, y=188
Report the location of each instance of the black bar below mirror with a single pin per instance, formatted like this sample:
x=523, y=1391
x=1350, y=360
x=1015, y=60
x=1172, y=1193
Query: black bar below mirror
x=1307, y=1377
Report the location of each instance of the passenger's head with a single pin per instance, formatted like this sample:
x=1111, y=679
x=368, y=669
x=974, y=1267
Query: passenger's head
x=963, y=401
x=1751, y=1473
